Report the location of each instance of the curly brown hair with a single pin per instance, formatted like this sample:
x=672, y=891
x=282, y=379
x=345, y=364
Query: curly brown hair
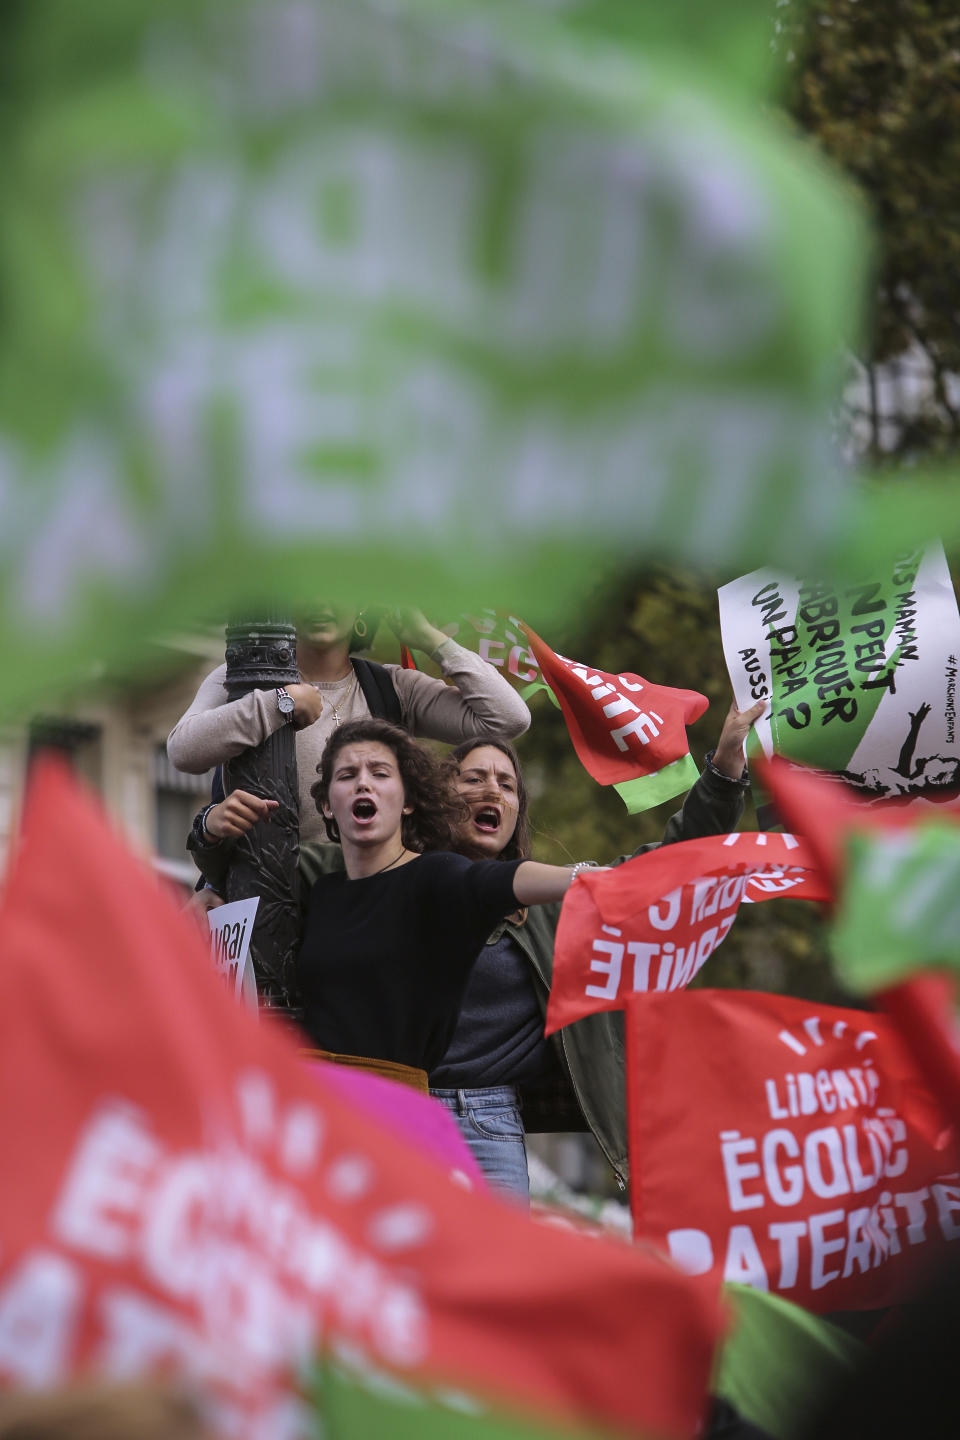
x=518, y=846
x=437, y=809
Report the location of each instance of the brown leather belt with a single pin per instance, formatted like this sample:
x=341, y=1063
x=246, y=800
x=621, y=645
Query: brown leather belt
x=386, y=1069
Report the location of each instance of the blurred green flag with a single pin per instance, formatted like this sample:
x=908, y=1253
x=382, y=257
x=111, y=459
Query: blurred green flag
x=780, y=1364
x=351, y=1402
x=899, y=911
x=431, y=302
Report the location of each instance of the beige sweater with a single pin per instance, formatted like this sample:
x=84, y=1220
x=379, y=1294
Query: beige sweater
x=479, y=704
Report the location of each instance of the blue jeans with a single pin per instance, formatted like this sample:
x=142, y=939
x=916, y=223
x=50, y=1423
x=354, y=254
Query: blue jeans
x=489, y=1121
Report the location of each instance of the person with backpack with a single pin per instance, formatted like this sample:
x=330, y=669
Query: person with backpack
x=336, y=686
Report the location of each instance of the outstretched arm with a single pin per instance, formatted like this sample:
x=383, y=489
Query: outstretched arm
x=536, y=884
x=713, y=807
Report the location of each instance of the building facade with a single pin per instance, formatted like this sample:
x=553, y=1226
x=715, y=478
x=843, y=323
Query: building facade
x=114, y=737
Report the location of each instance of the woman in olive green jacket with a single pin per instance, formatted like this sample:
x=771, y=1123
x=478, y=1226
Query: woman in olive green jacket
x=500, y=1078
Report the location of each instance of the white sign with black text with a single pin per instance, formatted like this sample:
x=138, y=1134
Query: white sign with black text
x=231, y=927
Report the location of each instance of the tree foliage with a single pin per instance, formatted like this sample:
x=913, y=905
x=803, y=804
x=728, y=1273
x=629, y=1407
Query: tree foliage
x=877, y=87
x=663, y=626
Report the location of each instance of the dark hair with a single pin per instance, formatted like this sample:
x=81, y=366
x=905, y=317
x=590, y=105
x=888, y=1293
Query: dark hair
x=518, y=847
x=437, y=809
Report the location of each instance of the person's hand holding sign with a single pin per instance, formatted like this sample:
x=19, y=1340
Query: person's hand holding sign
x=729, y=756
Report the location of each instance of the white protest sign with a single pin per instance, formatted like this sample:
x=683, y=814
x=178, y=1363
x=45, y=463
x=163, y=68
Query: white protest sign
x=860, y=679
x=231, y=927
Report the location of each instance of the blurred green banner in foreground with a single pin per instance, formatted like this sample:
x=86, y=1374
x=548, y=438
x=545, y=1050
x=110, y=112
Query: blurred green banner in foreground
x=445, y=304
x=899, y=912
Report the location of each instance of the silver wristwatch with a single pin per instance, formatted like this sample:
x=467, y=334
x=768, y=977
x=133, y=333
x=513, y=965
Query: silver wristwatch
x=285, y=703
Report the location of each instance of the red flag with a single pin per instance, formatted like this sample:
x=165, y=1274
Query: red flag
x=626, y=731
x=825, y=811
x=826, y=814
x=653, y=922
x=180, y=1194
x=787, y=1145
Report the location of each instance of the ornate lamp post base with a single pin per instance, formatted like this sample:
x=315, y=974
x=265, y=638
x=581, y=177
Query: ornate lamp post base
x=260, y=655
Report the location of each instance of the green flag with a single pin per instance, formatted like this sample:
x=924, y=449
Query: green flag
x=352, y=1401
x=899, y=911
x=893, y=871
x=780, y=1361
x=441, y=303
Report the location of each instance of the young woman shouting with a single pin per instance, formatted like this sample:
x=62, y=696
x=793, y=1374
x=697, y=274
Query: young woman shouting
x=500, y=1077
x=389, y=942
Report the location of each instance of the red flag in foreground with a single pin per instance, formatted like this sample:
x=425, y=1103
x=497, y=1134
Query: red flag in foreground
x=653, y=922
x=789, y=1146
x=825, y=812
x=627, y=732
x=180, y=1196
x=829, y=817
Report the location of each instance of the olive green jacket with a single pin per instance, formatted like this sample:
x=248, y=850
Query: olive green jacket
x=591, y=1051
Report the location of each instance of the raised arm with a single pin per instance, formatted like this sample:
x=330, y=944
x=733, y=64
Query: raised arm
x=478, y=704
x=714, y=805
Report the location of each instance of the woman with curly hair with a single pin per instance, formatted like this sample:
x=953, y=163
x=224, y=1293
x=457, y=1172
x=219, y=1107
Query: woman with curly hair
x=389, y=941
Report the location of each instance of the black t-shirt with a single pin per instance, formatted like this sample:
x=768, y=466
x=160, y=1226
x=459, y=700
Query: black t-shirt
x=499, y=1036
x=385, y=959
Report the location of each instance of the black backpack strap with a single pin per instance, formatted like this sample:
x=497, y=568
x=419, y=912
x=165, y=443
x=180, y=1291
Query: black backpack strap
x=378, y=690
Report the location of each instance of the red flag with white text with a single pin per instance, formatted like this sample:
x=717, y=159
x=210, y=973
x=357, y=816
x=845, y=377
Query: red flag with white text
x=787, y=1145
x=653, y=922
x=627, y=732
x=182, y=1197
x=833, y=817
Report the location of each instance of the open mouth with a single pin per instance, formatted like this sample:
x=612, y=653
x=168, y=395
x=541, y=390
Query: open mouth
x=363, y=809
x=487, y=819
